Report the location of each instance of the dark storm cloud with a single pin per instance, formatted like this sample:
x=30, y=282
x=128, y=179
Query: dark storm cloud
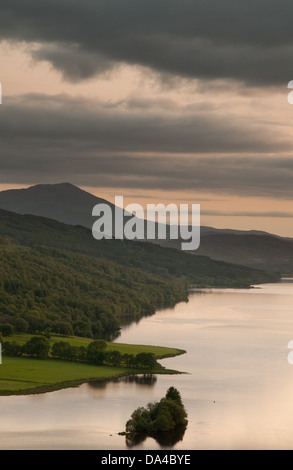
x=74, y=63
x=238, y=176
x=59, y=138
x=251, y=41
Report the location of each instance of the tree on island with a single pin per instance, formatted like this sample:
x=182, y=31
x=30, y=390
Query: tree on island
x=174, y=394
x=162, y=416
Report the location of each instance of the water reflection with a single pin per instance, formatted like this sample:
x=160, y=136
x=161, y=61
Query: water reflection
x=129, y=319
x=126, y=322
x=147, y=380
x=97, y=384
x=237, y=390
x=164, y=439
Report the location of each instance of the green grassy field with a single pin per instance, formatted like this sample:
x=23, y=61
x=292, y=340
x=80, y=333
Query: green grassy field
x=159, y=351
x=20, y=375
x=23, y=375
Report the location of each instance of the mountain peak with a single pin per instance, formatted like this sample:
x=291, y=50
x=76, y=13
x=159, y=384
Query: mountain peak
x=62, y=201
x=53, y=187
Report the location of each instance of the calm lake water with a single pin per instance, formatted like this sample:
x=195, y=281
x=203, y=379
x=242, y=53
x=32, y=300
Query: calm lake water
x=237, y=386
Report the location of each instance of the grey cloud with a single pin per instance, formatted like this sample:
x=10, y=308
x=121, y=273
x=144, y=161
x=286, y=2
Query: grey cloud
x=90, y=143
x=243, y=176
x=92, y=126
x=74, y=63
x=249, y=41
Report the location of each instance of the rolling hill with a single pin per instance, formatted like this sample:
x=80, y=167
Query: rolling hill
x=68, y=204
x=33, y=231
x=56, y=277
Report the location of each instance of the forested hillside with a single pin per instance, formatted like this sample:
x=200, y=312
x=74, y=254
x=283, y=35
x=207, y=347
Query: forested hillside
x=29, y=230
x=57, y=278
x=43, y=288
x=69, y=204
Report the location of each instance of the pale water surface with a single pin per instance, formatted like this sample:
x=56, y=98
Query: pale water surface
x=238, y=386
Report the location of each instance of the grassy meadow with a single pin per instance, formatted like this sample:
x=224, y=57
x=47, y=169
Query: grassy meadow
x=22, y=375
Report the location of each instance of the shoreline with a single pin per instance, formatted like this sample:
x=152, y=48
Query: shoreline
x=74, y=383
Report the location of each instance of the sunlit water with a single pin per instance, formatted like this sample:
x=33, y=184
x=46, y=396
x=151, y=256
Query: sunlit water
x=237, y=386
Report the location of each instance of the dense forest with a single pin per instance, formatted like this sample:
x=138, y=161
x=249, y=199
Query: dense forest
x=57, y=278
x=43, y=288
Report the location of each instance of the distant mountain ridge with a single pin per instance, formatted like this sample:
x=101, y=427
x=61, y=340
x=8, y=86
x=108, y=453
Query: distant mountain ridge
x=56, y=278
x=71, y=205
x=63, y=202
x=32, y=231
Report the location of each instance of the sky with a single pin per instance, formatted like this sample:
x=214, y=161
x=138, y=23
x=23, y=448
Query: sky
x=170, y=101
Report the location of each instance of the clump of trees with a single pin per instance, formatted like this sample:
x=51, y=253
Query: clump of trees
x=95, y=352
x=158, y=417
x=39, y=347
x=98, y=356
x=63, y=350
x=6, y=329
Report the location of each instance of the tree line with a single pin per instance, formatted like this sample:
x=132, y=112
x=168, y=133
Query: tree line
x=95, y=353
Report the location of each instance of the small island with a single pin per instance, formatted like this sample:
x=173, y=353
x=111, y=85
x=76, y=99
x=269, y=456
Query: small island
x=157, y=418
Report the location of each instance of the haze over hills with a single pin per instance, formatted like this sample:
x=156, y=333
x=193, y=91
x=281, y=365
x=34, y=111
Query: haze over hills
x=266, y=251
x=69, y=204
